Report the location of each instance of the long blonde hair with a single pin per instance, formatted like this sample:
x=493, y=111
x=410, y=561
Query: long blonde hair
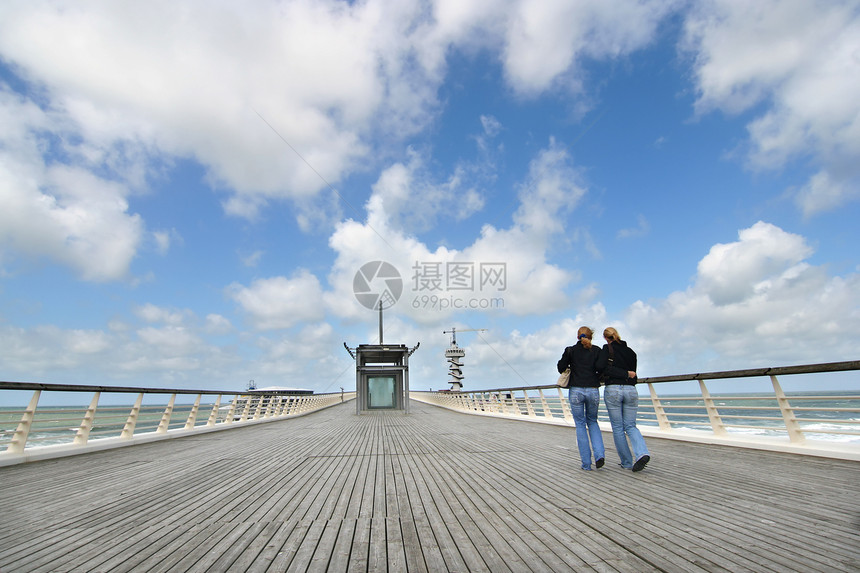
x=611, y=335
x=586, y=342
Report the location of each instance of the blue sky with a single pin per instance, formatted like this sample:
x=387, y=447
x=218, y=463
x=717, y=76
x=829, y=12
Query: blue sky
x=188, y=190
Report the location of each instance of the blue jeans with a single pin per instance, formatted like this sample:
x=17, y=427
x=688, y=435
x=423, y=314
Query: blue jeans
x=622, y=401
x=583, y=406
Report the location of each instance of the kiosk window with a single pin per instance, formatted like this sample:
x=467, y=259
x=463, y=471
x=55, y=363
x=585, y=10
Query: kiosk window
x=380, y=392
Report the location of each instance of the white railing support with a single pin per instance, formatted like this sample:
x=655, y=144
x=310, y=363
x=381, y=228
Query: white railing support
x=247, y=411
x=19, y=438
x=231, y=413
x=213, y=415
x=36, y=438
x=795, y=434
x=717, y=425
x=131, y=423
x=192, y=415
x=547, y=413
x=165, y=418
x=764, y=421
x=529, y=408
x=565, y=406
x=662, y=418
x=87, y=423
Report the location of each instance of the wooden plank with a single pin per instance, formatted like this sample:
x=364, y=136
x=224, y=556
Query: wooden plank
x=431, y=491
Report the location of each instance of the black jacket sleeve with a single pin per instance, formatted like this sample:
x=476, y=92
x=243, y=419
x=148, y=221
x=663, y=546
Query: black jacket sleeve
x=620, y=358
x=564, y=362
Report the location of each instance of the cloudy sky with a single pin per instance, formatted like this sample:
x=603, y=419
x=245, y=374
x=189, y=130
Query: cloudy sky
x=188, y=190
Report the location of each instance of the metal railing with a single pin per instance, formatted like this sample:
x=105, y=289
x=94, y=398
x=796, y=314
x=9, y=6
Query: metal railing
x=763, y=416
x=34, y=432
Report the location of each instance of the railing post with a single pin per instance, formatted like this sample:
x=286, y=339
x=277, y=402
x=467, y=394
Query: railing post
x=247, y=411
x=795, y=434
x=19, y=438
x=231, y=413
x=128, y=429
x=500, y=402
x=565, y=406
x=192, y=415
x=713, y=414
x=547, y=412
x=87, y=423
x=662, y=418
x=165, y=418
x=458, y=401
x=213, y=415
x=471, y=403
x=529, y=408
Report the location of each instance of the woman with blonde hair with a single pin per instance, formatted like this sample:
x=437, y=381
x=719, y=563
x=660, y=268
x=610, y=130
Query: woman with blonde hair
x=617, y=362
x=584, y=396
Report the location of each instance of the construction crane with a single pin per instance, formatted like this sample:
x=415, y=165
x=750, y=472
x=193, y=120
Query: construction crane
x=453, y=333
x=454, y=354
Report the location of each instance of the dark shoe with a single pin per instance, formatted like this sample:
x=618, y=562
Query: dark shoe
x=641, y=463
x=599, y=463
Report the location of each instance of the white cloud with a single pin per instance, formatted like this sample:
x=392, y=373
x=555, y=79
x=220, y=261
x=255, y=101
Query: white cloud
x=228, y=86
x=413, y=201
x=59, y=212
x=549, y=194
x=823, y=193
x=151, y=313
x=217, y=324
x=639, y=231
x=281, y=302
x=799, y=59
x=251, y=260
x=546, y=41
x=754, y=302
x=215, y=83
x=170, y=340
x=164, y=239
x=174, y=353
x=731, y=272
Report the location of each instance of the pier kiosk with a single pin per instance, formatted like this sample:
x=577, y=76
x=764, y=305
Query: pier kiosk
x=381, y=377
x=381, y=373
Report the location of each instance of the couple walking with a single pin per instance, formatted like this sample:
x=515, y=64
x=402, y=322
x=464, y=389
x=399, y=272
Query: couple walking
x=617, y=363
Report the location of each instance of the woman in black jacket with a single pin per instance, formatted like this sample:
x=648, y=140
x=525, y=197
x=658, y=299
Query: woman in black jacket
x=617, y=362
x=584, y=396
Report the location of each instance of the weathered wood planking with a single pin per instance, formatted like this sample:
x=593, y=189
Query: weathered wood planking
x=431, y=491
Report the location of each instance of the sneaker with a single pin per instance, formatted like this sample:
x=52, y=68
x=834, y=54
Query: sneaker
x=641, y=462
x=599, y=463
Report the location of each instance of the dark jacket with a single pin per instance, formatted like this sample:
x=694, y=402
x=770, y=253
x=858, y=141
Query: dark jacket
x=582, y=362
x=623, y=360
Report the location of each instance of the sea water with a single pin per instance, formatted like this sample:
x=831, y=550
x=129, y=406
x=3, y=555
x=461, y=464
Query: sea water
x=829, y=415
x=59, y=424
x=761, y=410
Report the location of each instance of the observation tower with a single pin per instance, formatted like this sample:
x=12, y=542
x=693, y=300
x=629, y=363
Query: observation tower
x=454, y=354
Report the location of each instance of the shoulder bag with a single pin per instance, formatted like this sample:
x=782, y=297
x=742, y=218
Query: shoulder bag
x=564, y=379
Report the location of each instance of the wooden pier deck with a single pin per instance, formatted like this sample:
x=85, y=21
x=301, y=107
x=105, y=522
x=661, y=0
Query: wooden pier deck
x=432, y=491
